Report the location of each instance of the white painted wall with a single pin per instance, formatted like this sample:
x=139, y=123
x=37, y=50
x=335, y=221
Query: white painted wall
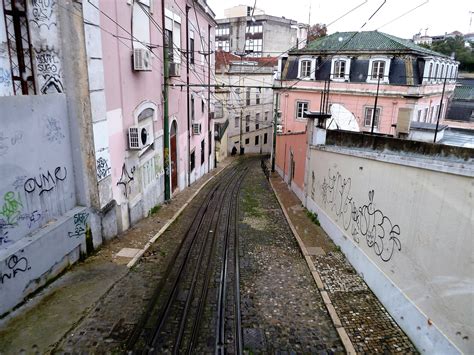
x=409, y=231
x=41, y=229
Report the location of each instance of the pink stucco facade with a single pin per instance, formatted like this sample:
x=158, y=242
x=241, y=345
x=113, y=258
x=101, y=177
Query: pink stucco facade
x=134, y=98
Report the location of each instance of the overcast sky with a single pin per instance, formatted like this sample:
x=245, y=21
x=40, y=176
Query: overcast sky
x=439, y=16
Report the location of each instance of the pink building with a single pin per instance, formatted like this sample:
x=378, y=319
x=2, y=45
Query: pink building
x=359, y=67
x=152, y=134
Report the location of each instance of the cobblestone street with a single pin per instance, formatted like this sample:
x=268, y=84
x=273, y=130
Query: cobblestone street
x=282, y=310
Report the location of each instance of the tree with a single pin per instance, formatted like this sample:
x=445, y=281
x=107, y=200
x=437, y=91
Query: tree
x=456, y=46
x=317, y=31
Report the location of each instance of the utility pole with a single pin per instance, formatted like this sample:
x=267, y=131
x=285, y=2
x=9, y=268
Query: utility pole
x=187, y=94
x=440, y=107
x=240, y=140
x=166, y=154
x=375, y=105
x=274, y=133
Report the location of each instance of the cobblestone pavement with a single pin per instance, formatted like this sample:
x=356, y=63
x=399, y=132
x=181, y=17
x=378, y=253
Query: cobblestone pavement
x=282, y=310
x=369, y=326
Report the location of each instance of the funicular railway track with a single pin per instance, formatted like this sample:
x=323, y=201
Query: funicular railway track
x=196, y=306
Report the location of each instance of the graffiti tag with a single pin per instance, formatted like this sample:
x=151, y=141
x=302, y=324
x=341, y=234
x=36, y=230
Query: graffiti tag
x=45, y=182
x=53, y=131
x=126, y=179
x=43, y=12
x=15, y=265
x=80, y=224
x=11, y=208
x=367, y=221
x=103, y=168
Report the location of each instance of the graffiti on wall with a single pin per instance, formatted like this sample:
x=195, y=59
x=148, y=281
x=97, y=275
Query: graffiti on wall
x=14, y=266
x=42, y=13
x=48, y=66
x=11, y=208
x=45, y=182
x=103, y=168
x=80, y=224
x=366, y=221
x=6, y=142
x=52, y=130
x=126, y=179
x=5, y=77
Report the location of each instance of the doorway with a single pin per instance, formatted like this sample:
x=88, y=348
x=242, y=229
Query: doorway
x=173, y=156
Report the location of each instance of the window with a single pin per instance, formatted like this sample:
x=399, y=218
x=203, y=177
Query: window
x=257, y=117
x=340, y=67
x=191, y=48
x=265, y=138
x=192, y=162
x=377, y=71
x=257, y=98
x=247, y=97
x=436, y=73
x=430, y=72
x=192, y=108
x=301, y=107
x=203, y=105
x=430, y=117
x=173, y=35
x=237, y=122
x=369, y=114
x=222, y=31
x=266, y=115
x=247, y=123
x=19, y=45
x=254, y=46
x=256, y=139
x=257, y=125
x=203, y=144
x=223, y=46
x=425, y=115
x=418, y=119
x=254, y=28
x=247, y=140
x=305, y=69
x=442, y=72
x=169, y=44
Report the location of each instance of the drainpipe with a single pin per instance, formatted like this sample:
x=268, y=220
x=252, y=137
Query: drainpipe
x=187, y=95
x=275, y=119
x=375, y=106
x=166, y=131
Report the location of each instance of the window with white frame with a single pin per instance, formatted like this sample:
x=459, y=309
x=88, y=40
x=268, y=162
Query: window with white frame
x=430, y=72
x=173, y=35
x=301, y=107
x=222, y=31
x=254, y=28
x=436, y=73
x=254, y=45
x=369, y=115
x=378, y=68
x=307, y=68
x=236, y=122
x=340, y=68
x=223, y=46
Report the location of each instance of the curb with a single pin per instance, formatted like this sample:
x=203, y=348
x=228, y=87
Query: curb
x=137, y=257
x=317, y=279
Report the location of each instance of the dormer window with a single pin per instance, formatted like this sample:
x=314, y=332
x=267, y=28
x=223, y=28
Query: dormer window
x=340, y=68
x=378, y=69
x=307, y=68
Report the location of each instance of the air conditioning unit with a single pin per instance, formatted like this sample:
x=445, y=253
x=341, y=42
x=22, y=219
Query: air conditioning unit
x=140, y=137
x=196, y=128
x=174, y=69
x=141, y=59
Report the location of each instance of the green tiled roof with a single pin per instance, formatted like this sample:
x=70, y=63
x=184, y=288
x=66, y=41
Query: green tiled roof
x=365, y=41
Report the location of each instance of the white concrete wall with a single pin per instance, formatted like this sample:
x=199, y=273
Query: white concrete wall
x=41, y=229
x=408, y=231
